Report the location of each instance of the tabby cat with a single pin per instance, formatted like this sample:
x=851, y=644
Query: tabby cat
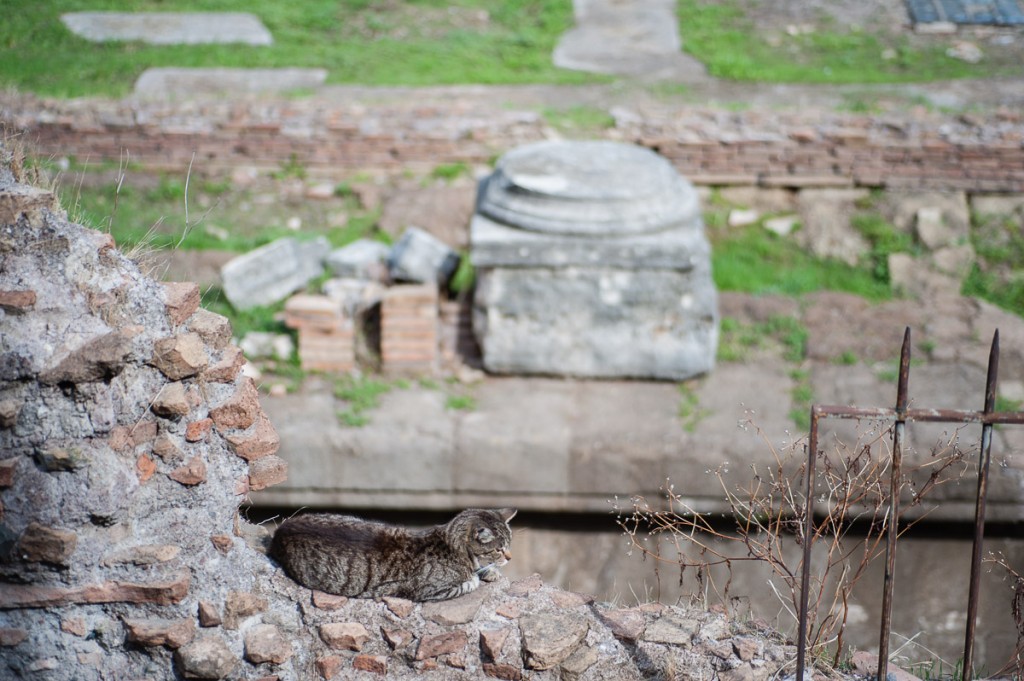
x=350, y=556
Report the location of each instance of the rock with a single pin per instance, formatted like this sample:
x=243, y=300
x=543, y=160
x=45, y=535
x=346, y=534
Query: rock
x=782, y=225
x=454, y=611
x=187, y=28
x=240, y=410
x=242, y=604
x=441, y=644
x=401, y=607
x=904, y=210
x=208, y=658
x=626, y=624
x=582, y=659
x=965, y=51
x=525, y=586
x=10, y=637
x=930, y=229
x=377, y=664
x=74, y=626
x=9, y=410
x=550, y=637
x=209, y=615
x=265, y=345
x=360, y=259
x=509, y=610
x=145, y=467
x=17, y=301
x=866, y=663
x=491, y=642
x=396, y=638
x=267, y=471
x=422, y=258
x=344, y=635
x=160, y=632
x=747, y=647
x=98, y=359
x=167, y=448
x=157, y=593
x=266, y=643
x=171, y=402
x=193, y=472
x=672, y=630
x=326, y=601
x=53, y=458
x=222, y=542
x=214, y=329
x=570, y=599
x=41, y=544
x=7, y=470
x=329, y=665
x=321, y=191
x=182, y=300
x=740, y=217
x=270, y=273
x=226, y=369
x=956, y=261
x=258, y=441
x=180, y=356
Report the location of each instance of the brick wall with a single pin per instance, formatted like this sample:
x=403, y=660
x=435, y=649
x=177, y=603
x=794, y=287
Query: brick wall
x=807, y=149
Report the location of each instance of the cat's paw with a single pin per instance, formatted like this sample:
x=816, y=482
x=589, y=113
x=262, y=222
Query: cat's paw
x=489, y=573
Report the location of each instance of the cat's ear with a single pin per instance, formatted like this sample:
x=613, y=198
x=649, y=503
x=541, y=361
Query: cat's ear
x=507, y=514
x=484, y=535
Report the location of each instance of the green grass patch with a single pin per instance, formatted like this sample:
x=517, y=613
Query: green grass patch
x=260, y=318
x=449, y=171
x=421, y=42
x=754, y=260
x=725, y=39
x=464, y=277
x=362, y=395
x=885, y=240
x=998, y=274
x=802, y=396
x=460, y=403
x=690, y=412
x=737, y=340
x=578, y=120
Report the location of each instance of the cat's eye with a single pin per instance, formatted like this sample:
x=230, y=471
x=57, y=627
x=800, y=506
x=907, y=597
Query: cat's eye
x=484, y=535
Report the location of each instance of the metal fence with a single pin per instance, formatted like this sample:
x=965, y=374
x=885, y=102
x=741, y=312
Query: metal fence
x=899, y=417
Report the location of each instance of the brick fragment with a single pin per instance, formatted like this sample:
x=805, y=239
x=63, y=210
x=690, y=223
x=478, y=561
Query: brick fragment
x=157, y=593
x=100, y=358
x=396, y=638
x=10, y=636
x=326, y=601
x=167, y=448
x=502, y=671
x=442, y=644
x=180, y=356
x=74, y=626
x=171, y=633
x=222, y=542
x=329, y=665
x=41, y=544
x=209, y=615
x=143, y=432
x=401, y=607
x=265, y=643
x=145, y=467
x=214, y=329
x=193, y=472
x=344, y=635
x=226, y=369
x=171, y=402
x=240, y=410
x=197, y=431
x=241, y=604
x=182, y=300
x=376, y=664
x=8, y=467
x=258, y=441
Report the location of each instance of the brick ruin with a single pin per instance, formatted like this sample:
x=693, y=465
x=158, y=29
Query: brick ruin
x=130, y=438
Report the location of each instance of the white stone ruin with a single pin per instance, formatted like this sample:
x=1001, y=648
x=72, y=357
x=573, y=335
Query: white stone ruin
x=591, y=261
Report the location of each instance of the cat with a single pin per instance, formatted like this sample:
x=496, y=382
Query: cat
x=349, y=556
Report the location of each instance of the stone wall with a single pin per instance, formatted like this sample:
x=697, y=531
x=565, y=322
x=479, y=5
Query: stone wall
x=130, y=437
x=807, y=149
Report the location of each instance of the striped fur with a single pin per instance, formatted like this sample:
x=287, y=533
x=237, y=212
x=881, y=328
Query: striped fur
x=359, y=558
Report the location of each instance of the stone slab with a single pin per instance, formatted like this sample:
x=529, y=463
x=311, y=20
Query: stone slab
x=170, y=82
x=169, y=28
x=421, y=257
x=270, y=273
x=627, y=37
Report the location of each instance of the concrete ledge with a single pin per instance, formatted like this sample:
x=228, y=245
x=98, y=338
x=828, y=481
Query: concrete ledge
x=165, y=83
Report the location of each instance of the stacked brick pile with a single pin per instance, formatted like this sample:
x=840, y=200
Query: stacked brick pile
x=409, y=329
x=326, y=334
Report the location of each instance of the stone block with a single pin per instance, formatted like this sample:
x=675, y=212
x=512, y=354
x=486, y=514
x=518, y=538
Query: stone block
x=550, y=637
x=265, y=345
x=270, y=273
x=361, y=259
x=423, y=258
x=591, y=261
x=169, y=28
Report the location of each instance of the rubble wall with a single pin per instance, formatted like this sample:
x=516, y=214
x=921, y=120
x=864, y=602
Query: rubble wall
x=712, y=147
x=129, y=438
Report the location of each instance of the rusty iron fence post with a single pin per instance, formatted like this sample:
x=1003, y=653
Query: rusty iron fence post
x=899, y=417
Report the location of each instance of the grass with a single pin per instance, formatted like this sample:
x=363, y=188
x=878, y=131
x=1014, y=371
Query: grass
x=690, y=412
x=998, y=274
x=362, y=394
x=753, y=260
x=460, y=403
x=738, y=339
x=402, y=43
x=731, y=46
